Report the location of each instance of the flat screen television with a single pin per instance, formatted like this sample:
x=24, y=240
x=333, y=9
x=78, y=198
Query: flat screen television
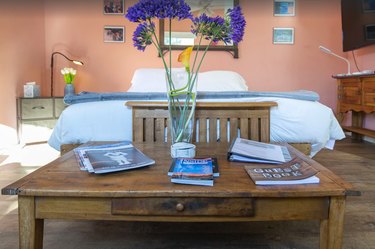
x=358, y=23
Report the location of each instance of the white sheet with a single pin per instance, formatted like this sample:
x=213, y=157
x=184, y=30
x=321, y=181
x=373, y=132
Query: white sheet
x=292, y=121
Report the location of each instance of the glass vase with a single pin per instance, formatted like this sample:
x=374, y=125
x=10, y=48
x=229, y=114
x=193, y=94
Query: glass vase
x=181, y=93
x=69, y=89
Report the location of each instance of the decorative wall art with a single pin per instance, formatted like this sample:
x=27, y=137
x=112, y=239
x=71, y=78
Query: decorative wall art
x=113, y=7
x=114, y=34
x=283, y=35
x=284, y=7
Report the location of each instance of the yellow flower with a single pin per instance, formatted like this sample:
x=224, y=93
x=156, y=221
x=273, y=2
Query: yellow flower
x=184, y=57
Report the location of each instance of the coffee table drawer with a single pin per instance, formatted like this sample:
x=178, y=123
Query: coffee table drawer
x=183, y=206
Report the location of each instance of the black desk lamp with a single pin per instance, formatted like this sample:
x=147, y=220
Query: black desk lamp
x=74, y=61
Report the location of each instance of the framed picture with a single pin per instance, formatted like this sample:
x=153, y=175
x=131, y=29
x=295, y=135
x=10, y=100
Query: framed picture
x=284, y=7
x=114, y=34
x=368, y=6
x=113, y=7
x=283, y=35
x=370, y=32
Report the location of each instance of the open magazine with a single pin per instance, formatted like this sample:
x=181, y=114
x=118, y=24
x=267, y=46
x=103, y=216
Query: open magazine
x=111, y=158
x=244, y=150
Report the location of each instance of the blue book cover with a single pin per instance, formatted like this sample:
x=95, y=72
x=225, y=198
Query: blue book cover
x=195, y=171
x=177, y=162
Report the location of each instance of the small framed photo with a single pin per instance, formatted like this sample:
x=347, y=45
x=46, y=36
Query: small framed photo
x=370, y=32
x=368, y=6
x=284, y=7
x=113, y=7
x=283, y=35
x=114, y=34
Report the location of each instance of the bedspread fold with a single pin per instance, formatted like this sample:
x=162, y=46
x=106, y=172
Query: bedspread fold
x=93, y=96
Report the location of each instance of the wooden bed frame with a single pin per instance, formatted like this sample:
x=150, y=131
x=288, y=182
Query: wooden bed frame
x=250, y=120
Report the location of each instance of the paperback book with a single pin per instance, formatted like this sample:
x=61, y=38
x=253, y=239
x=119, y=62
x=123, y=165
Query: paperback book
x=296, y=171
x=244, y=150
x=194, y=171
x=177, y=161
x=111, y=158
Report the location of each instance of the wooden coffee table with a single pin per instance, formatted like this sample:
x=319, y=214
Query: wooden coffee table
x=60, y=190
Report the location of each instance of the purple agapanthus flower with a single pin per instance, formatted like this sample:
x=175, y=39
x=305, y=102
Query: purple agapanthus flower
x=142, y=36
x=211, y=28
x=237, y=24
x=147, y=9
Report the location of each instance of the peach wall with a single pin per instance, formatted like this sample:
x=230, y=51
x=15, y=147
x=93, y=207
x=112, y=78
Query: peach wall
x=75, y=27
x=266, y=67
x=21, y=56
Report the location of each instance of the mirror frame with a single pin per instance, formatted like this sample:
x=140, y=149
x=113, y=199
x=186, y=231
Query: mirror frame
x=233, y=49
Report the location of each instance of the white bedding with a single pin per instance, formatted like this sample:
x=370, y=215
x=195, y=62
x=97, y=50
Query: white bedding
x=292, y=121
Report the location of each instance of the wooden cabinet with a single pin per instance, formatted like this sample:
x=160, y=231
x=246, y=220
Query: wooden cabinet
x=36, y=117
x=356, y=93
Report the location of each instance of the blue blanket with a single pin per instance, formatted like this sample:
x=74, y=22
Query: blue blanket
x=92, y=96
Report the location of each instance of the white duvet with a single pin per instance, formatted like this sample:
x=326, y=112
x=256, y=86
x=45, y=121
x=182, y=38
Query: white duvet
x=293, y=121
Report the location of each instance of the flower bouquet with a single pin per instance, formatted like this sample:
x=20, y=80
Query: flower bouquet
x=69, y=75
x=182, y=84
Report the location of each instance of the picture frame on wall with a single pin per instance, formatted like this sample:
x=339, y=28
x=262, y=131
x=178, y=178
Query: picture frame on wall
x=284, y=7
x=370, y=32
x=283, y=35
x=114, y=34
x=368, y=6
x=113, y=7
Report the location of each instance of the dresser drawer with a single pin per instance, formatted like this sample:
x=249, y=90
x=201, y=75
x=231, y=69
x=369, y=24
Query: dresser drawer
x=240, y=207
x=369, y=92
x=36, y=108
x=350, y=91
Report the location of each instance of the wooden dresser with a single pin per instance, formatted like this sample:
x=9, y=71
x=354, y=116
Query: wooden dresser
x=356, y=93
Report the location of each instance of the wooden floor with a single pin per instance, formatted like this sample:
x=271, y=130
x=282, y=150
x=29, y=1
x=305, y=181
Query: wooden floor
x=353, y=161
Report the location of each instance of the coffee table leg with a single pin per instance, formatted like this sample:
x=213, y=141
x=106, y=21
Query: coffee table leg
x=331, y=230
x=30, y=228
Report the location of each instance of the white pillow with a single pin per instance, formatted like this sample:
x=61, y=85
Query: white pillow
x=153, y=80
x=148, y=80
x=221, y=81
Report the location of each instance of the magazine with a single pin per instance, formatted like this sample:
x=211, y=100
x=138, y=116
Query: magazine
x=244, y=150
x=296, y=171
x=177, y=161
x=195, y=171
x=111, y=158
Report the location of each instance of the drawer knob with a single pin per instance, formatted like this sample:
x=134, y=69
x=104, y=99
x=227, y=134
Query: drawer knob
x=180, y=207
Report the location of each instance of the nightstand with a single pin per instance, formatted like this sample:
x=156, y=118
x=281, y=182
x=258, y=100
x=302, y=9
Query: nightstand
x=36, y=117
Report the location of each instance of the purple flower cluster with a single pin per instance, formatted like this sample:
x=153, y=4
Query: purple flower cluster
x=145, y=10
x=142, y=36
x=211, y=28
x=215, y=29
x=219, y=29
x=237, y=24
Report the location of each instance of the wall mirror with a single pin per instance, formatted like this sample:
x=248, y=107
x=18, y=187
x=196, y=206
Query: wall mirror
x=181, y=37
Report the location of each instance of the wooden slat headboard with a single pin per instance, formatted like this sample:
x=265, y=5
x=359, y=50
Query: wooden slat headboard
x=214, y=121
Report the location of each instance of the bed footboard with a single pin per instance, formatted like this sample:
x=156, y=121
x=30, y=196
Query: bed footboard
x=216, y=122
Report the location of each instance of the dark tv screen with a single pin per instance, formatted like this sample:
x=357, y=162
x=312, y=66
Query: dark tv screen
x=358, y=23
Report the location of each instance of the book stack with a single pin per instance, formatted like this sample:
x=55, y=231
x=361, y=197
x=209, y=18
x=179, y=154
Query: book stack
x=194, y=171
x=107, y=158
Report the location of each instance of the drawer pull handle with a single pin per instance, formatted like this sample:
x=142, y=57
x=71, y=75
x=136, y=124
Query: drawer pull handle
x=180, y=207
x=38, y=107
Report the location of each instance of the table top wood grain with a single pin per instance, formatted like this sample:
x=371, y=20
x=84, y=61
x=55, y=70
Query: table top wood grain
x=63, y=177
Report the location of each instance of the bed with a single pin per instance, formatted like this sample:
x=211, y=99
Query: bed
x=297, y=118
